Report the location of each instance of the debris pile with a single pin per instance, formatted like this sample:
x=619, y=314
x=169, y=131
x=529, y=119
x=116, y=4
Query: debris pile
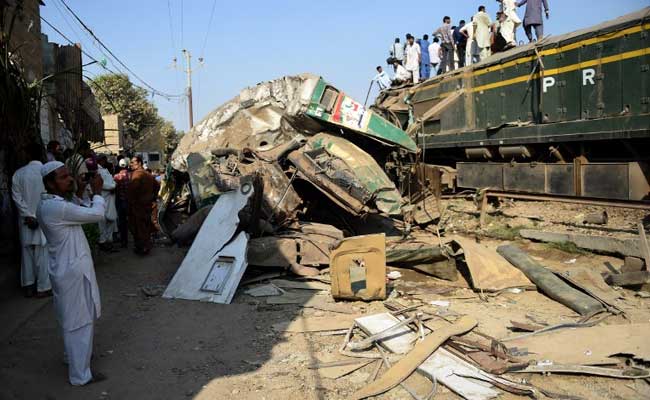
x=281, y=194
x=303, y=157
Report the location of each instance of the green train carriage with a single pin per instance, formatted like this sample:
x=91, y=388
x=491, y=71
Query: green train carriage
x=569, y=115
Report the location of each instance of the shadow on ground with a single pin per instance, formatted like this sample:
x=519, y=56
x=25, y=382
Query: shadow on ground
x=150, y=347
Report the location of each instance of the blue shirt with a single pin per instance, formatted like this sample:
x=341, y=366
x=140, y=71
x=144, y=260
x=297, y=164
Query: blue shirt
x=424, y=57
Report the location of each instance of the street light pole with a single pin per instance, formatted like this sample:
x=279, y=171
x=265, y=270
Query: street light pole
x=188, y=71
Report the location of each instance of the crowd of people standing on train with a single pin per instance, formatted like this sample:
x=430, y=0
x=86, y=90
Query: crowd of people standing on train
x=455, y=46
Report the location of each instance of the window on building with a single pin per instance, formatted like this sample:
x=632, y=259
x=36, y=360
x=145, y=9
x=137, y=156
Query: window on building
x=153, y=157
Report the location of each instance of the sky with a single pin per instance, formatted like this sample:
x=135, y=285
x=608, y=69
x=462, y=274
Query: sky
x=252, y=41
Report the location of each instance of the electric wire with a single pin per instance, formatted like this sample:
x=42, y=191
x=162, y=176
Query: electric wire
x=145, y=83
x=207, y=32
x=93, y=58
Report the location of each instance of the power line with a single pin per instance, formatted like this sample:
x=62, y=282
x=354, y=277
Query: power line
x=182, y=17
x=80, y=36
x=91, y=57
x=171, y=25
x=207, y=32
x=152, y=89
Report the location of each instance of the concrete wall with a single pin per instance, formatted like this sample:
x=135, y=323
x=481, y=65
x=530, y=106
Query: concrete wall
x=114, y=136
x=151, y=142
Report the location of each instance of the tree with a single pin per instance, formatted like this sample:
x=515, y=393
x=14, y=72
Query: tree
x=117, y=95
x=170, y=136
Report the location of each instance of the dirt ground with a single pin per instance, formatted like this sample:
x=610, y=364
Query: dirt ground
x=154, y=348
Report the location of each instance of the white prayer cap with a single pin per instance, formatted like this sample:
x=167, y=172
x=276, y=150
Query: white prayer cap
x=50, y=166
x=124, y=162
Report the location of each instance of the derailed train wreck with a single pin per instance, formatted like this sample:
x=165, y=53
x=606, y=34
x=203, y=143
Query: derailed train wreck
x=314, y=154
x=569, y=115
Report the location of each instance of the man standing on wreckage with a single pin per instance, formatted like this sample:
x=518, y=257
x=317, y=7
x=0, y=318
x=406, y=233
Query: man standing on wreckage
x=61, y=215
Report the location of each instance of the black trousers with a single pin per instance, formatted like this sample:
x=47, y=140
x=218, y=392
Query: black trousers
x=460, y=50
x=122, y=221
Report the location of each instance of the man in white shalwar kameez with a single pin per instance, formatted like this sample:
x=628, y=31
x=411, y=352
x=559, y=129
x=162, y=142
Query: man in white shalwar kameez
x=512, y=22
x=482, y=23
x=108, y=225
x=76, y=295
x=26, y=190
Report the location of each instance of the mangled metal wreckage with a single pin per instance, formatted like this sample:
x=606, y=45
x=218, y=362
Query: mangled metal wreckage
x=312, y=155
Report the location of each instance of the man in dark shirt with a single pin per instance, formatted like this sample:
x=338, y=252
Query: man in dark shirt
x=461, y=43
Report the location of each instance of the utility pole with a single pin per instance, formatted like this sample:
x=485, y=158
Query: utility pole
x=188, y=71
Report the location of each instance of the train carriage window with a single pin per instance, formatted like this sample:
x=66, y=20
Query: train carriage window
x=329, y=99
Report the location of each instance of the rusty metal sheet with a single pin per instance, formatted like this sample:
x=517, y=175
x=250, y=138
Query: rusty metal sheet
x=490, y=271
x=358, y=268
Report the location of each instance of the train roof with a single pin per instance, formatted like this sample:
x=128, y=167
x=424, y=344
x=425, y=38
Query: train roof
x=617, y=24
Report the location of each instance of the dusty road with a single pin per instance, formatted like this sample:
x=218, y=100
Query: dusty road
x=149, y=347
x=153, y=348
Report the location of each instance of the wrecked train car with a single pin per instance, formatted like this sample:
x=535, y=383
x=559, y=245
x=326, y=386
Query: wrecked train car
x=294, y=133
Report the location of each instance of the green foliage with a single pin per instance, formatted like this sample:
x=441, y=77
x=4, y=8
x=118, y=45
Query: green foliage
x=171, y=138
x=117, y=95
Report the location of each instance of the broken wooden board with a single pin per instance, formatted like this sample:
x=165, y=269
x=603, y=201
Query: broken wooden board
x=302, y=285
x=593, y=284
x=549, y=283
x=587, y=346
x=422, y=350
x=315, y=324
x=598, y=244
x=400, y=340
x=358, y=268
x=489, y=271
x=200, y=263
x=458, y=375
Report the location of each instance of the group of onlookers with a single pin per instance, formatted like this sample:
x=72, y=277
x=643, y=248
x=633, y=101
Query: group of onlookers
x=128, y=190
x=455, y=46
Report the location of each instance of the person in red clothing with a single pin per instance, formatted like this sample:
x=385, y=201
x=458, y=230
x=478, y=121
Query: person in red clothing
x=142, y=192
x=122, y=179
